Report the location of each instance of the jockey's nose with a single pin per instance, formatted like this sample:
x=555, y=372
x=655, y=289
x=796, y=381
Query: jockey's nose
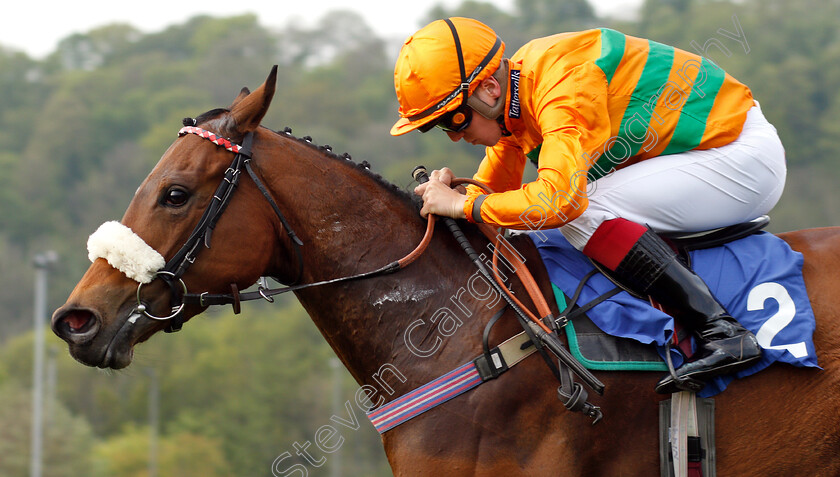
x=455, y=136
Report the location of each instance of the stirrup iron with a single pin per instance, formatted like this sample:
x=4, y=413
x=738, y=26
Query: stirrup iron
x=684, y=383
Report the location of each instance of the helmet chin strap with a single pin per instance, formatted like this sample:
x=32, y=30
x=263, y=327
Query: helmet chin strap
x=494, y=111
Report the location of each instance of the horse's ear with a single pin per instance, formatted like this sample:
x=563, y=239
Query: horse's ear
x=242, y=94
x=248, y=110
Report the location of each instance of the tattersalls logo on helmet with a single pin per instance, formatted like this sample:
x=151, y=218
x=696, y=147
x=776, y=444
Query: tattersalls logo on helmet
x=513, y=110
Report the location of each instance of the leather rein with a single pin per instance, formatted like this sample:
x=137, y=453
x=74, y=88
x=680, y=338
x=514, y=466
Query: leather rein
x=535, y=326
x=175, y=267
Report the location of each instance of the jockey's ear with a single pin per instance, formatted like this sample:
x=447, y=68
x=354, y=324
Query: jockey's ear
x=488, y=99
x=248, y=110
x=491, y=89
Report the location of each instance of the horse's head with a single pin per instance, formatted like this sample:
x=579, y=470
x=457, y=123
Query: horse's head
x=127, y=293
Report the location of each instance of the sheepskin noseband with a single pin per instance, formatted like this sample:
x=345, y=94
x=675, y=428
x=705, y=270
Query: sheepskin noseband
x=125, y=251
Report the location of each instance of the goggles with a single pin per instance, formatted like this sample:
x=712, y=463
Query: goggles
x=453, y=121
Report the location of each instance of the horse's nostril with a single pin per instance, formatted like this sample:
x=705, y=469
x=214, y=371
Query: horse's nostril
x=76, y=325
x=77, y=321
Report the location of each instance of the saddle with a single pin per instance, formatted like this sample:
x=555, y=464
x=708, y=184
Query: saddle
x=687, y=241
x=643, y=357
x=598, y=350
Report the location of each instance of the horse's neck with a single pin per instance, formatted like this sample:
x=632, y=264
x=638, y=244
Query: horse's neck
x=353, y=223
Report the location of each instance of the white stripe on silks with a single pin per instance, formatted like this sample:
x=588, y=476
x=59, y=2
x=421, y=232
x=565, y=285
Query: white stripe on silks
x=125, y=251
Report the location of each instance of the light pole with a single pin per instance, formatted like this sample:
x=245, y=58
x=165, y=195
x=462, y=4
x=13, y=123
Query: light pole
x=335, y=364
x=154, y=418
x=50, y=383
x=42, y=263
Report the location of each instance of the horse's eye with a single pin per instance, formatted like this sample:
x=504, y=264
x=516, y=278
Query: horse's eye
x=175, y=197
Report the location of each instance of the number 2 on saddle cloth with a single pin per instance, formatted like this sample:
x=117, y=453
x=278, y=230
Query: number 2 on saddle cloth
x=755, y=275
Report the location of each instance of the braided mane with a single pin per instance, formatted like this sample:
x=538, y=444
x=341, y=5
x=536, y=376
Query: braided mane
x=326, y=150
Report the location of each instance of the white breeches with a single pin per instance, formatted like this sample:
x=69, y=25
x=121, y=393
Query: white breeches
x=694, y=190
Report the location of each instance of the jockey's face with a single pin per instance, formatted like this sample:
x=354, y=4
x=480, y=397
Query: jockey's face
x=481, y=130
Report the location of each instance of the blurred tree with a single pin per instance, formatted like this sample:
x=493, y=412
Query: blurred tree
x=507, y=26
x=547, y=17
x=24, y=88
x=16, y=284
x=67, y=439
x=181, y=454
x=95, y=48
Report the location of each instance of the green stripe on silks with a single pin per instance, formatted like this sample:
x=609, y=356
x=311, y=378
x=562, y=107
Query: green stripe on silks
x=625, y=145
x=575, y=349
x=534, y=155
x=692, y=123
x=612, y=51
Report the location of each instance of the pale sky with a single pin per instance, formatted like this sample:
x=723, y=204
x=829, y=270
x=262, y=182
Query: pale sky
x=36, y=27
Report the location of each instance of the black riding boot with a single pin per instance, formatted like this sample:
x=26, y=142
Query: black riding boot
x=723, y=345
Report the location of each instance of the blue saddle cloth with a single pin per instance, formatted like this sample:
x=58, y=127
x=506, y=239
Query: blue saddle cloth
x=757, y=278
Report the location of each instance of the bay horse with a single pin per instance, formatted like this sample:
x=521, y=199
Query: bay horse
x=782, y=421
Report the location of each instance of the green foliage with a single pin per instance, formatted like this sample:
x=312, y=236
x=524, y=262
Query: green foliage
x=547, y=17
x=127, y=454
x=240, y=390
x=66, y=437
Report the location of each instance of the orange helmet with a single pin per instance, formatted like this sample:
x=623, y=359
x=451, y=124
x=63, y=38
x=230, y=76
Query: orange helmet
x=440, y=66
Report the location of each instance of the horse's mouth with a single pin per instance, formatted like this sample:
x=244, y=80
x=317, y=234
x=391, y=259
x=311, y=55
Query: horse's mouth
x=95, y=345
x=119, y=352
x=116, y=359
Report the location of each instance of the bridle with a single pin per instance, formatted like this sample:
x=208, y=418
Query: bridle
x=202, y=233
x=174, y=269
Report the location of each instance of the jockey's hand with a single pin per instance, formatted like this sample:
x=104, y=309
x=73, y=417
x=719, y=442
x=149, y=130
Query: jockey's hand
x=439, y=198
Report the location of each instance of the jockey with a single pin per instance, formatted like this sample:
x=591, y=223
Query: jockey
x=629, y=136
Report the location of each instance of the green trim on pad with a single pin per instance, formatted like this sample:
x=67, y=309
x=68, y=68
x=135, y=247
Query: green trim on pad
x=560, y=297
x=574, y=348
